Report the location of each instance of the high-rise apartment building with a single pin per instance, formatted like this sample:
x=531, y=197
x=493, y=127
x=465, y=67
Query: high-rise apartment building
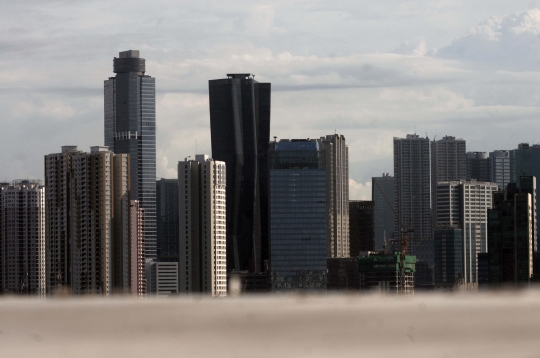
x=308, y=223
x=58, y=173
x=202, y=264
x=88, y=221
x=412, y=183
x=240, y=129
x=130, y=128
x=22, y=237
x=138, y=262
x=478, y=166
x=464, y=205
x=510, y=237
x=167, y=217
x=382, y=194
x=361, y=226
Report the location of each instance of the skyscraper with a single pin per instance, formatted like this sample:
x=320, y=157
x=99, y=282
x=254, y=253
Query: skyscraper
x=202, y=264
x=382, y=193
x=22, y=237
x=412, y=179
x=308, y=220
x=240, y=128
x=130, y=128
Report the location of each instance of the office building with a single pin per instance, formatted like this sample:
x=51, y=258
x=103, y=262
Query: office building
x=361, y=226
x=88, y=247
x=384, y=273
x=22, y=238
x=382, y=194
x=478, y=166
x=448, y=254
x=240, y=131
x=308, y=220
x=412, y=182
x=167, y=217
x=510, y=238
x=202, y=207
x=130, y=128
x=499, y=162
x=464, y=205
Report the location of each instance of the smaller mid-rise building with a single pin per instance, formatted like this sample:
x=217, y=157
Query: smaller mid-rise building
x=162, y=278
x=343, y=274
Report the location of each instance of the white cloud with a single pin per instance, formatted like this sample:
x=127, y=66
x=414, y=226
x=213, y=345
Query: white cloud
x=509, y=41
x=359, y=191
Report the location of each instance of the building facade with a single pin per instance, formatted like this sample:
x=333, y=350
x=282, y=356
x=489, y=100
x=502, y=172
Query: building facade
x=22, y=238
x=478, y=166
x=500, y=173
x=412, y=188
x=309, y=210
x=464, y=205
x=58, y=173
x=382, y=194
x=240, y=131
x=138, y=262
x=510, y=238
x=300, y=216
x=385, y=273
x=361, y=226
x=130, y=128
x=167, y=218
x=202, y=208
x=448, y=254
x=88, y=217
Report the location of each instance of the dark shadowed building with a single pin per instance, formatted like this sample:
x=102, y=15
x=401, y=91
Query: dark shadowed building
x=361, y=226
x=167, y=219
x=240, y=129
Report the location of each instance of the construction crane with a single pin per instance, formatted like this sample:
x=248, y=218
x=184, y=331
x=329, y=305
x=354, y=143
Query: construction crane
x=403, y=241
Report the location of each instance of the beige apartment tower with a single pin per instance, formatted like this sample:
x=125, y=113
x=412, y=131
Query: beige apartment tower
x=22, y=238
x=202, y=252
x=88, y=221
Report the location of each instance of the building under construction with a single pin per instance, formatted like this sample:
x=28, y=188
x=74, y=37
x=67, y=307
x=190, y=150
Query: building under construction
x=383, y=272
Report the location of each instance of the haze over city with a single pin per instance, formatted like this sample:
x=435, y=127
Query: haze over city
x=368, y=71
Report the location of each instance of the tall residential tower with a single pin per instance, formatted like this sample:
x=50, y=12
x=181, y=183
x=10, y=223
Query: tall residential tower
x=130, y=128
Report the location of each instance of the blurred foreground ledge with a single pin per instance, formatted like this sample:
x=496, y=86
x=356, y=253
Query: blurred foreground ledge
x=502, y=324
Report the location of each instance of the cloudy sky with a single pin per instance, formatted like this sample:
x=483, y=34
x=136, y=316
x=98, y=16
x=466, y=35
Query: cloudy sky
x=368, y=70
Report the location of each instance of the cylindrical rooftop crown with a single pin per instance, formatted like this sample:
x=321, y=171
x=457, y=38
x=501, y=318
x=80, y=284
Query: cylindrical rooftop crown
x=129, y=61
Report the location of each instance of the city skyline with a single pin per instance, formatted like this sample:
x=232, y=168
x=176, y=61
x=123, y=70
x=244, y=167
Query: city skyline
x=384, y=85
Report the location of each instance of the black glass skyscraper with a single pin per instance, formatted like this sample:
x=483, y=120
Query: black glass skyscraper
x=167, y=220
x=240, y=126
x=130, y=127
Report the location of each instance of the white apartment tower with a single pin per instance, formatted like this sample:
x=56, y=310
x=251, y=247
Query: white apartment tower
x=412, y=178
x=87, y=217
x=138, y=283
x=464, y=204
x=337, y=184
x=22, y=237
x=202, y=256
